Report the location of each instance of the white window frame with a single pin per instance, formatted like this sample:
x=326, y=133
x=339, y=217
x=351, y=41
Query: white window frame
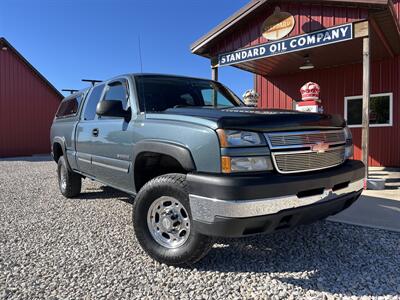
x=346, y=99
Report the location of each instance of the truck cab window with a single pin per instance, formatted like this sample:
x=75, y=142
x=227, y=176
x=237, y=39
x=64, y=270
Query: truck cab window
x=69, y=107
x=94, y=97
x=208, y=94
x=158, y=93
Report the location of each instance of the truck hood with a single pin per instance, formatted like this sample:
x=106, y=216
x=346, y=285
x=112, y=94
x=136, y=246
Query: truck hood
x=253, y=119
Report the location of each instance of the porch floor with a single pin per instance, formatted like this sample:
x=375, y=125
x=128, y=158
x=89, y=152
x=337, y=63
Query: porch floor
x=376, y=209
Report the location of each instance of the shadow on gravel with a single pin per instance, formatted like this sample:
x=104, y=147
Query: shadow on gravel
x=35, y=158
x=325, y=256
x=105, y=192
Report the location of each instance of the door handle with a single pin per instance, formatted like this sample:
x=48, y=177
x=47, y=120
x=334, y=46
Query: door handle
x=95, y=132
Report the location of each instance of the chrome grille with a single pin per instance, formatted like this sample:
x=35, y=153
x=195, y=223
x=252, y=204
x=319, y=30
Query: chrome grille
x=302, y=151
x=298, y=139
x=301, y=161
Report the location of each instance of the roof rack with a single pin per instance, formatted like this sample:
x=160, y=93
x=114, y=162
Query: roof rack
x=92, y=81
x=69, y=90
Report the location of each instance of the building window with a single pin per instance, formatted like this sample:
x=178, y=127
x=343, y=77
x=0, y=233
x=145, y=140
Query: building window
x=380, y=110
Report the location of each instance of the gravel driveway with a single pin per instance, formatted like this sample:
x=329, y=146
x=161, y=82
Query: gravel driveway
x=55, y=248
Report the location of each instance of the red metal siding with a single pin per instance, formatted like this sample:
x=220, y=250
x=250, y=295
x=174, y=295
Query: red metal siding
x=27, y=107
x=336, y=83
x=309, y=17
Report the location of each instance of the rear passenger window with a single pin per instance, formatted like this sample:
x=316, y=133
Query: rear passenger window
x=69, y=107
x=94, y=97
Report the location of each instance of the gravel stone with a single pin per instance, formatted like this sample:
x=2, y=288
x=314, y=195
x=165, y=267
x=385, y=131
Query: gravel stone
x=84, y=248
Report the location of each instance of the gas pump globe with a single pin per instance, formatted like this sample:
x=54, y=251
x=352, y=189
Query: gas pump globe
x=310, y=101
x=250, y=98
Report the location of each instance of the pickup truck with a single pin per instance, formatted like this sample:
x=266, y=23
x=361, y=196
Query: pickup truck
x=200, y=164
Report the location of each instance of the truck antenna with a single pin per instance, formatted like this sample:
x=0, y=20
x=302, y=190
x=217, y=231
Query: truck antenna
x=140, y=55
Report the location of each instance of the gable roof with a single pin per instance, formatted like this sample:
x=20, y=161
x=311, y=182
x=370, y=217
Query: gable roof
x=5, y=43
x=200, y=46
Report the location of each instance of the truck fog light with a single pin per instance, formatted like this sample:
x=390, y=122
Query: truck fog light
x=245, y=164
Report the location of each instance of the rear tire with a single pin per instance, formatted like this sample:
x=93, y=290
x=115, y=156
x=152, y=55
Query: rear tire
x=69, y=182
x=163, y=222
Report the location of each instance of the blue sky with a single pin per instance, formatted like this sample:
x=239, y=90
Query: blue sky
x=67, y=40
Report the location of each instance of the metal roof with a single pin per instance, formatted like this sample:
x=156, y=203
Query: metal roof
x=4, y=42
x=200, y=46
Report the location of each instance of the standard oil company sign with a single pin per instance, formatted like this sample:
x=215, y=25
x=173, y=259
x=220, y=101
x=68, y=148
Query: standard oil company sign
x=305, y=41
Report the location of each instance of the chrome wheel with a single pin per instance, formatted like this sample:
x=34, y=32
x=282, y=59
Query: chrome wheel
x=168, y=222
x=63, y=179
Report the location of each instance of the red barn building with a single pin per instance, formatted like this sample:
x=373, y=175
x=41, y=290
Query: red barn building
x=28, y=102
x=335, y=43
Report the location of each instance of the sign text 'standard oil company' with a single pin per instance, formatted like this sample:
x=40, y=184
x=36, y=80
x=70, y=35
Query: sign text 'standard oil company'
x=301, y=42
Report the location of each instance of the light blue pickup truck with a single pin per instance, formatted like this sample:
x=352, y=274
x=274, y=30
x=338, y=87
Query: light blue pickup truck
x=201, y=164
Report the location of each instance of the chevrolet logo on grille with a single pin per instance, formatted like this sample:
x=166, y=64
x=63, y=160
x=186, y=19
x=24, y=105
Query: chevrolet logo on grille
x=320, y=147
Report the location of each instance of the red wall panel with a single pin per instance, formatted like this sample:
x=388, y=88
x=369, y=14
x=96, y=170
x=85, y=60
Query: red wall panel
x=336, y=83
x=27, y=108
x=308, y=17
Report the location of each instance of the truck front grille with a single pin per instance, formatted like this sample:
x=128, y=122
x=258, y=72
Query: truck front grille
x=294, y=152
x=297, y=139
x=301, y=161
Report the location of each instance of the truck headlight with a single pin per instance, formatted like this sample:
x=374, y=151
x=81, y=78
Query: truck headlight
x=238, y=138
x=245, y=164
x=349, y=143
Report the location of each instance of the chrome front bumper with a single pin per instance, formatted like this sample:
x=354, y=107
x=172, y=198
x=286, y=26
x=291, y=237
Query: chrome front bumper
x=205, y=209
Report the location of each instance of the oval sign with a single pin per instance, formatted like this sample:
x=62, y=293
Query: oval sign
x=277, y=25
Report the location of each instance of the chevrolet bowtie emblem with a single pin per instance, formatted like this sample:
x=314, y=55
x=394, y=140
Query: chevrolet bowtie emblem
x=320, y=147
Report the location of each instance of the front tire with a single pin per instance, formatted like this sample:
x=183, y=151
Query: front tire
x=69, y=182
x=163, y=222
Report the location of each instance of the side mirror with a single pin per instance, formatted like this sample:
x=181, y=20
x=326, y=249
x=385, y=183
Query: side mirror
x=113, y=108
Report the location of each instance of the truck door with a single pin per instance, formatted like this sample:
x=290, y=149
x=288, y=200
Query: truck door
x=113, y=142
x=86, y=129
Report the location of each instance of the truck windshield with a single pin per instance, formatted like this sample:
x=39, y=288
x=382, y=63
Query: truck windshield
x=158, y=93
